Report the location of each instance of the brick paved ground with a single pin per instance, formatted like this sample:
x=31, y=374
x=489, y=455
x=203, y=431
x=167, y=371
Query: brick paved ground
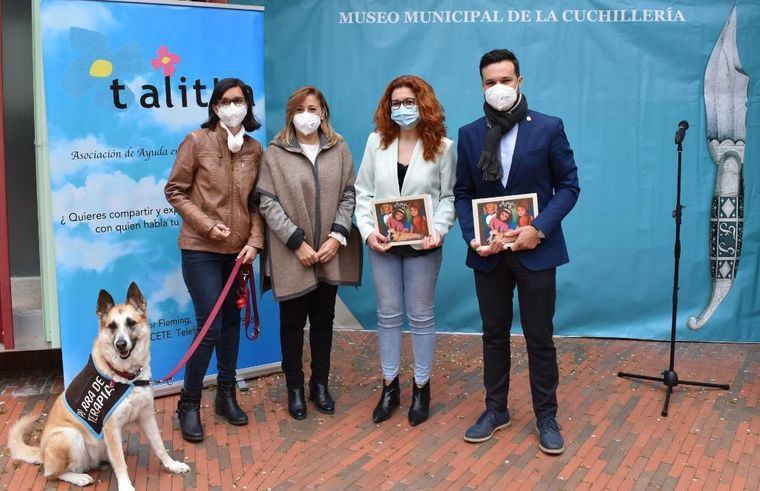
x=615, y=437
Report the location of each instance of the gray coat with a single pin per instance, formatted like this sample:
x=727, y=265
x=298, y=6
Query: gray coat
x=304, y=202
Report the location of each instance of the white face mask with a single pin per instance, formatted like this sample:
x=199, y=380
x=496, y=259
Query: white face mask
x=306, y=123
x=232, y=115
x=501, y=97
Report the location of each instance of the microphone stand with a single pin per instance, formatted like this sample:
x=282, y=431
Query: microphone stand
x=669, y=376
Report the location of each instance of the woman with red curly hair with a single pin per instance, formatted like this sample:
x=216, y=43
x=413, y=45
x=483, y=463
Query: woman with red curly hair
x=408, y=154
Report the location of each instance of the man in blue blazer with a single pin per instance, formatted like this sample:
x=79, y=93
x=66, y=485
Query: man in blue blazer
x=513, y=150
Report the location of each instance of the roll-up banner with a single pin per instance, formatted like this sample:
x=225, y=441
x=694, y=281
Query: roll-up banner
x=124, y=83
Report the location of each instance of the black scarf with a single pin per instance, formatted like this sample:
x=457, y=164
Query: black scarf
x=501, y=122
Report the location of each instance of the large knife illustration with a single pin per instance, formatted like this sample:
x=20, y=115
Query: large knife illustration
x=726, y=113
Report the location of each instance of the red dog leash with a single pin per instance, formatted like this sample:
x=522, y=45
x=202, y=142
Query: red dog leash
x=245, y=300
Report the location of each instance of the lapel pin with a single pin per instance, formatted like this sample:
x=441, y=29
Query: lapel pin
x=528, y=118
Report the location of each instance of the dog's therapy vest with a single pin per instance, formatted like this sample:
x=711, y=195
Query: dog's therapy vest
x=92, y=397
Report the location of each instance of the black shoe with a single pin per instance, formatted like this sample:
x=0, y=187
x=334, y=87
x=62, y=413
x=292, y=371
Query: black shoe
x=226, y=405
x=189, y=413
x=296, y=403
x=420, y=408
x=321, y=396
x=389, y=399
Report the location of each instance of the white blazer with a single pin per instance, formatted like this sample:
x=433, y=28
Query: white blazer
x=378, y=179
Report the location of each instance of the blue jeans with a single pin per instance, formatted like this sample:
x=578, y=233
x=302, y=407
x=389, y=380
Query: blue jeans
x=205, y=274
x=406, y=283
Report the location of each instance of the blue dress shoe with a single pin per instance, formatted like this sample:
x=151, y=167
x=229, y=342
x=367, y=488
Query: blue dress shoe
x=549, y=438
x=486, y=426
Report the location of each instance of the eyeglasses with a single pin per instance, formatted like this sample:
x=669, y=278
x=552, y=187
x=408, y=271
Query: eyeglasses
x=408, y=103
x=226, y=102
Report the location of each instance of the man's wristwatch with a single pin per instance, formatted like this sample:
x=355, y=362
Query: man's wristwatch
x=540, y=233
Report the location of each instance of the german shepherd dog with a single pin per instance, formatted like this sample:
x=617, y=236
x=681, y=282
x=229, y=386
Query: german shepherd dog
x=69, y=446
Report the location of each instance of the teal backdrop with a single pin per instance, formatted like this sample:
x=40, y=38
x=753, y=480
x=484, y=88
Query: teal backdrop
x=620, y=80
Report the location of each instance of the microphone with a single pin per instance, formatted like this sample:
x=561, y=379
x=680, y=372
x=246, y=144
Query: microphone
x=681, y=133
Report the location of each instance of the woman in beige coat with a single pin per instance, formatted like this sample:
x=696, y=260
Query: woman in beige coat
x=306, y=193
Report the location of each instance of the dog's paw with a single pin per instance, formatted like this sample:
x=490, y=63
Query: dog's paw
x=127, y=486
x=176, y=467
x=77, y=479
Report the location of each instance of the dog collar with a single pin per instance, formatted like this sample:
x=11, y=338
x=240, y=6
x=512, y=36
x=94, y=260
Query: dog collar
x=125, y=375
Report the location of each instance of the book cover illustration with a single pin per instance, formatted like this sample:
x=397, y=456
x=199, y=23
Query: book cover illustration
x=494, y=217
x=404, y=220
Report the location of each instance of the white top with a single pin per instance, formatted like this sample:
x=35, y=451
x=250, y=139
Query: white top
x=378, y=179
x=311, y=151
x=507, y=144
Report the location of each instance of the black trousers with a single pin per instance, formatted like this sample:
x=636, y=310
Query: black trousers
x=536, y=293
x=319, y=306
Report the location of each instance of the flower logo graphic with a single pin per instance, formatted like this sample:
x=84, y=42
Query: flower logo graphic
x=95, y=63
x=165, y=60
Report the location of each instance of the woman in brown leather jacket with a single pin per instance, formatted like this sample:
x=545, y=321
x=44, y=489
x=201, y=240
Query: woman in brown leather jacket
x=210, y=186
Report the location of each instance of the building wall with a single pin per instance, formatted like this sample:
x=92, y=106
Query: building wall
x=19, y=138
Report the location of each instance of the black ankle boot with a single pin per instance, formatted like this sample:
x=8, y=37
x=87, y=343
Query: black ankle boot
x=321, y=396
x=226, y=405
x=296, y=402
x=189, y=413
x=389, y=399
x=420, y=408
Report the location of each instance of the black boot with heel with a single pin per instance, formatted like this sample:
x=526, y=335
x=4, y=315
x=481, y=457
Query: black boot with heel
x=420, y=408
x=226, y=405
x=296, y=402
x=189, y=414
x=321, y=396
x=389, y=399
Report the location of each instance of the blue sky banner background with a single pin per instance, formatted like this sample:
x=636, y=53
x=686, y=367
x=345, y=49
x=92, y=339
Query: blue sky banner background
x=620, y=85
x=108, y=165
